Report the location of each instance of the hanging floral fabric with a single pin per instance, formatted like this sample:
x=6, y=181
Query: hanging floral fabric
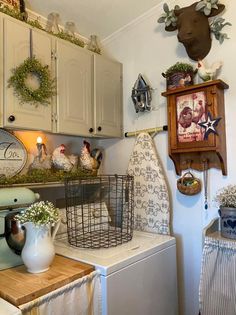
x=151, y=198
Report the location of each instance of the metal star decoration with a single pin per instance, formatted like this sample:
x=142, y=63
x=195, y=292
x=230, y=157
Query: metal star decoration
x=210, y=125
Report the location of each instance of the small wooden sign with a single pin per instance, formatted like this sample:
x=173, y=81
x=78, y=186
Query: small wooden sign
x=13, y=154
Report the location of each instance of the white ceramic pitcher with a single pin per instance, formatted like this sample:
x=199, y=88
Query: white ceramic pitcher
x=38, y=251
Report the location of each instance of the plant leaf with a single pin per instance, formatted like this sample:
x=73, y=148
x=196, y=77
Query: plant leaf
x=219, y=20
x=206, y=11
x=227, y=23
x=221, y=39
x=161, y=19
x=166, y=8
x=200, y=6
x=214, y=6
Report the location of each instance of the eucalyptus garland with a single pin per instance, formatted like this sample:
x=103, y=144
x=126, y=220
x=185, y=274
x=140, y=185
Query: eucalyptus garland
x=46, y=89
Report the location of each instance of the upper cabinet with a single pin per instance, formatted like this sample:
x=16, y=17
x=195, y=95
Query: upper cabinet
x=16, y=44
x=1, y=75
x=89, y=86
x=108, y=97
x=74, y=89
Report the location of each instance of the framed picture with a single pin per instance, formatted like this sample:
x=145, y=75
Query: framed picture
x=191, y=110
x=188, y=108
x=11, y=3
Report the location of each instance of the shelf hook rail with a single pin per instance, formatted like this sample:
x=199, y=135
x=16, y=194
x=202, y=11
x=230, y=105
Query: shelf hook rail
x=149, y=130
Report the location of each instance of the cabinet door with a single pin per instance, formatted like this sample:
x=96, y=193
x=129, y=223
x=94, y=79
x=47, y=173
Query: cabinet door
x=74, y=102
x=1, y=74
x=16, y=50
x=108, y=97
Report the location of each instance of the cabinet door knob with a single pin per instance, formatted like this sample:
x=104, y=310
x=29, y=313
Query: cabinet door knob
x=90, y=130
x=11, y=118
x=99, y=128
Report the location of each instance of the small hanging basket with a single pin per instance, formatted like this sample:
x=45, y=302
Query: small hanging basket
x=188, y=184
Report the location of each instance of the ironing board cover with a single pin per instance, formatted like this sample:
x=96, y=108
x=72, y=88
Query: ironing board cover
x=151, y=198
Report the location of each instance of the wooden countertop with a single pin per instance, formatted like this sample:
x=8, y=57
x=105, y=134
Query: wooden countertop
x=17, y=286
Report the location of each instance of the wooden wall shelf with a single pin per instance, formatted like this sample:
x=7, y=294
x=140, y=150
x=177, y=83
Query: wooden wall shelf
x=187, y=107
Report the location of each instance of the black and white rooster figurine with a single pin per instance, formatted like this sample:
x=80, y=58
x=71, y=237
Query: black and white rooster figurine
x=63, y=162
x=207, y=74
x=90, y=160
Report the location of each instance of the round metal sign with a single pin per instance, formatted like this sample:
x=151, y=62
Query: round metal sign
x=13, y=154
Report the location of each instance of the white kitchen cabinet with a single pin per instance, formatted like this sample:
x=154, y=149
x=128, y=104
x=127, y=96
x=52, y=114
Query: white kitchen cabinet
x=74, y=89
x=89, y=93
x=107, y=97
x=16, y=45
x=89, y=86
x=1, y=76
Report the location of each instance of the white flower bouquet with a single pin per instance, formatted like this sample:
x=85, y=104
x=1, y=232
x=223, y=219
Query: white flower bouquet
x=226, y=196
x=40, y=213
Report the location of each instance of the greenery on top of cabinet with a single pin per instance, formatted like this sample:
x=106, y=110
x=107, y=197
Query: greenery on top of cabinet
x=70, y=38
x=21, y=16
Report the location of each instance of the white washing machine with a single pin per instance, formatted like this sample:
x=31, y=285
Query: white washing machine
x=137, y=278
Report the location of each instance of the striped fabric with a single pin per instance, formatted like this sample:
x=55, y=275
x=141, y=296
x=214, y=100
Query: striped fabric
x=217, y=291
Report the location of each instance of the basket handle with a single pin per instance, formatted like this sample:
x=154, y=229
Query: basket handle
x=187, y=173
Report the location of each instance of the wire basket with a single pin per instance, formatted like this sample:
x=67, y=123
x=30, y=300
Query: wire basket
x=99, y=210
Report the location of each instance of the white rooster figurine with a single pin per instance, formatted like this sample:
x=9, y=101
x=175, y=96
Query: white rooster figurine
x=61, y=161
x=90, y=160
x=207, y=74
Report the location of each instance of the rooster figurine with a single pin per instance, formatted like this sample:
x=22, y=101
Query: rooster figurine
x=90, y=160
x=61, y=161
x=207, y=74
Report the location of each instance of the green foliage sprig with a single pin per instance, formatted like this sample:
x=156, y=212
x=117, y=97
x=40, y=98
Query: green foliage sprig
x=40, y=213
x=46, y=84
x=35, y=24
x=168, y=17
x=179, y=67
x=226, y=196
x=216, y=26
x=206, y=6
x=70, y=38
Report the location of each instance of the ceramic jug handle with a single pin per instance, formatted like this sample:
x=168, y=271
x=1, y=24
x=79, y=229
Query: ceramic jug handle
x=55, y=229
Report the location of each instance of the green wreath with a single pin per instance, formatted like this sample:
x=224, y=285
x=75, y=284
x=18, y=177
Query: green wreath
x=25, y=92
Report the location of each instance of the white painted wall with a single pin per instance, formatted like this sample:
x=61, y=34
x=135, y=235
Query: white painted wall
x=144, y=47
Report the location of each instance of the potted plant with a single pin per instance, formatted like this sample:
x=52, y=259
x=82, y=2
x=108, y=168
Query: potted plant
x=179, y=75
x=41, y=220
x=226, y=200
